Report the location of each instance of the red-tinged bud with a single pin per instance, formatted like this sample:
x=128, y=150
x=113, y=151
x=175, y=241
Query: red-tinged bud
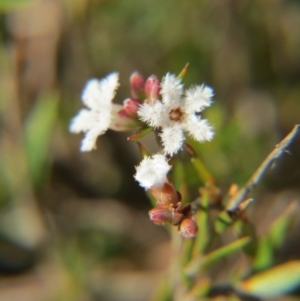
x=160, y=216
x=131, y=106
x=137, y=86
x=121, y=121
x=122, y=113
x=177, y=217
x=165, y=195
x=188, y=228
x=186, y=210
x=152, y=88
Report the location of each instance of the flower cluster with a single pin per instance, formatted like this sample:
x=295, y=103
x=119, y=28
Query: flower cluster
x=165, y=108
x=176, y=114
x=101, y=113
x=152, y=175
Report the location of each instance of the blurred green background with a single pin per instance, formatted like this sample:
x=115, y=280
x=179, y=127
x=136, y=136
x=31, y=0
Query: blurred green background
x=74, y=226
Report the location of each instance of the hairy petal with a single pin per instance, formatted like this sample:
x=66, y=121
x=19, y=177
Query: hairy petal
x=151, y=113
x=172, y=138
x=108, y=87
x=83, y=121
x=199, y=129
x=89, y=141
x=171, y=90
x=97, y=96
x=198, y=98
x=98, y=93
x=152, y=171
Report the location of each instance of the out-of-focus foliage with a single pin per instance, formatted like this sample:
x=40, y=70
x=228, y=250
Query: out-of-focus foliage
x=38, y=130
x=77, y=224
x=10, y=5
x=276, y=281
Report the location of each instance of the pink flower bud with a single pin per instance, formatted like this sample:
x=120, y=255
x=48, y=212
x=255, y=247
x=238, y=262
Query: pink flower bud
x=131, y=106
x=152, y=88
x=137, y=85
x=160, y=216
x=188, y=228
x=177, y=217
x=165, y=195
x=120, y=119
x=186, y=210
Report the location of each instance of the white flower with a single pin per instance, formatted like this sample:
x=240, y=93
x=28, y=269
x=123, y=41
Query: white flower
x=152, y=171
x=94, y=121
x=177, y=113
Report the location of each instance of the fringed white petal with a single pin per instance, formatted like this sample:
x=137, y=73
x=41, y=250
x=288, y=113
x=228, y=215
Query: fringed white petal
x=151, y=113
x=83, y=121
x=199, y=129
x=198, y=98
x=172, y=139
x=97, y=96
x=98, y=93
x=91, y=94
x=152, y=171
x=171, y=90
x=89, y=141
x=108, y=87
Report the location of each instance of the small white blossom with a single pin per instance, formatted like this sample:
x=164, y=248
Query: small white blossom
x=152, y=171
x=94, y=121
x=177, y=113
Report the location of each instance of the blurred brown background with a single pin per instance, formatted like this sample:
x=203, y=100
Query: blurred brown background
x=74, y=226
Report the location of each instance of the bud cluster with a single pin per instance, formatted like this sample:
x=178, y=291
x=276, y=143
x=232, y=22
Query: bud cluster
x=146, y=91
x=175, y=214
x=152, y=175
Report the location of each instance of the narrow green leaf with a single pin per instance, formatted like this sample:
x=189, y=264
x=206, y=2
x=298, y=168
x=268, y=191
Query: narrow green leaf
x=187, y=250
x=38, y=129
x=140, y=134
x=163, y=292
x=200, y=289
x=202, y=262
x=264, y=256
x=243, y=228
x=143, y=150
x=274, y=282
x=273, y=239
x=179, y=179
x=280, y=225
x=222, y=222
x=202, y=171
x=205, y=233
x=183, y=71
